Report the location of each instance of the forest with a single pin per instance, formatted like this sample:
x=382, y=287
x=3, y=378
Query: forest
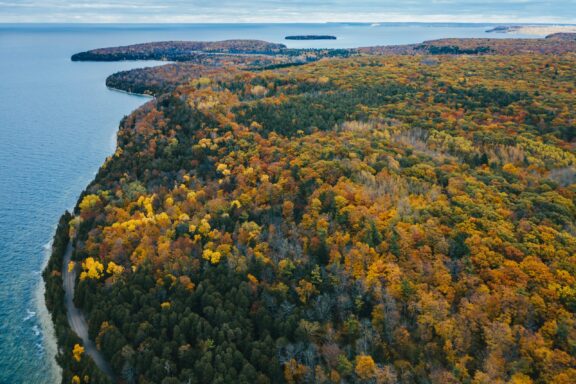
x=176, y=50
x=394, y=218
x=555, y=44
x=242, y=53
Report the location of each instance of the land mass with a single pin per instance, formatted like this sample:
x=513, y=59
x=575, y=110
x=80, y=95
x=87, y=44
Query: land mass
x=177, y=50
x=400, y=214
x=478, y=46
x=541, y=30
x=562, y=36
x=258, y=54
x=208, y=57
x=311, y=37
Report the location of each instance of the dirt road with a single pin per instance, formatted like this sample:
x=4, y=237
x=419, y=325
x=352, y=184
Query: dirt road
x=76, y=317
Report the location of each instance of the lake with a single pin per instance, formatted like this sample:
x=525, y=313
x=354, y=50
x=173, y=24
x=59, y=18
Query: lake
x=57, y=125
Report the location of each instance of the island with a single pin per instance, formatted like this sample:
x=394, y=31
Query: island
x=542, y=30
x=311, y=37
x=499, y=29
x=400, y=214
x=562, y=36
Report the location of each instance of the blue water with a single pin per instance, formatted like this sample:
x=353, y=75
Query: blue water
x=57, y=125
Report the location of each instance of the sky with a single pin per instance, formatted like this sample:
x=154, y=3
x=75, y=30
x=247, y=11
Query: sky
x=235, y=11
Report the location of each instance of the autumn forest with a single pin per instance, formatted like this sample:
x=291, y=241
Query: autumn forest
x=369, y=216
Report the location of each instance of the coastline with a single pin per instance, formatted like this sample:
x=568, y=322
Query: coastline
x=55, y=300
x=145, y=95
x=48, y=314
x=49, y=339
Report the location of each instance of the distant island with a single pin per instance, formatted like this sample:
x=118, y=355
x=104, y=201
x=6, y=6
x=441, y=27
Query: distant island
x=311, y=37
x=562, y=36
x=543, y=30
x=500, y=29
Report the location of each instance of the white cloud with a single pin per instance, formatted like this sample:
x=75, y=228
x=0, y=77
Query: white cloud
x=197, y=11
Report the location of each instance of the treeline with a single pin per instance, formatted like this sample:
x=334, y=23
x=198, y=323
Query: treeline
x=453, y=50
x=478, y=46
x=177, y=50
x=161, y=79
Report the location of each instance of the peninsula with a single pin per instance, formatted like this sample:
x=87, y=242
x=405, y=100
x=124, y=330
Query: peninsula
x=177, y=50
x=381, y=217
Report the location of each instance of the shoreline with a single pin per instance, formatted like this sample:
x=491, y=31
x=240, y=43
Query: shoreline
x=49, y=339
x=44, y=314
x=151, y=97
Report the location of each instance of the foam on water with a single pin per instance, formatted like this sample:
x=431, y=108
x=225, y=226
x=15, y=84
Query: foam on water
x=48, y=344
x=30, y=314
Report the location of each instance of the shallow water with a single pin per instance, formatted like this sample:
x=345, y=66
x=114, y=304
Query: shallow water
x=57, y=124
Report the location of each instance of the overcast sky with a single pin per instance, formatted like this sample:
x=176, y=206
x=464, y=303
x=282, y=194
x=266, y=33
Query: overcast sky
x=169, y=11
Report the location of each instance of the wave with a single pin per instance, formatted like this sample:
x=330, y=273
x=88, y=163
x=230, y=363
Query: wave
x=48, y=343
x=30, y=314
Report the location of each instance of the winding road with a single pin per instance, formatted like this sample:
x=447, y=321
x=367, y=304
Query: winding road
x=76, y=318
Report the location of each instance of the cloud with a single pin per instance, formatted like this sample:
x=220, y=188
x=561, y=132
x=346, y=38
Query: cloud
x=80, y=6
x=155, y=11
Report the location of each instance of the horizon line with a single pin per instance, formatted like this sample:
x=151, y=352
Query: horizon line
x=527, y=23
